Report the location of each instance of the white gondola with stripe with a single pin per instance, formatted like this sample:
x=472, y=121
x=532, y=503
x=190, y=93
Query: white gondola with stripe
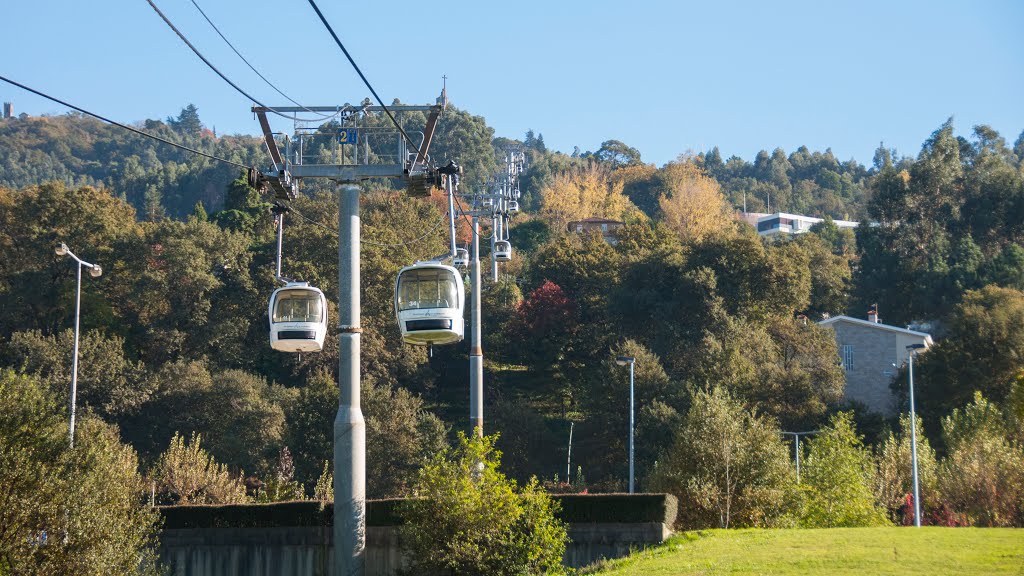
x=429, y=301
x=298, y=318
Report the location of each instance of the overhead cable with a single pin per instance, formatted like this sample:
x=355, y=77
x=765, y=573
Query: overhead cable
x=126, y=127
x=253, y=68
x=214, y=68
x=462, y=211
x=361, y=75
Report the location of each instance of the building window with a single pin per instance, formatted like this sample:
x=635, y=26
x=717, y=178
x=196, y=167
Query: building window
x=847, y=357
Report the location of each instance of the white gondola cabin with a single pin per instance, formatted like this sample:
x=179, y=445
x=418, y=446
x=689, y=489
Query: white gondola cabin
x=461, y=258
x=429, y=302
x=298, y=318
x=502, y=250
x=513, y=206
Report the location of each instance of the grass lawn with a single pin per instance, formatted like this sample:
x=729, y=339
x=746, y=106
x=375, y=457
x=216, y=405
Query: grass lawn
x=863, y=551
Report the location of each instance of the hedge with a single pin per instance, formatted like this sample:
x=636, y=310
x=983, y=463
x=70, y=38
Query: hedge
x=575, y=509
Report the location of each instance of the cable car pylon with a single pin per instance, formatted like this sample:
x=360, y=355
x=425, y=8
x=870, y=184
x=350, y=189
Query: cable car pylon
x=349, y=145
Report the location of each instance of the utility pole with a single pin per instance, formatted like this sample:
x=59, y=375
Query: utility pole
x=796, y=447
x=349, y=532
x=476, y=353
x=568, y=460
x=912, y=349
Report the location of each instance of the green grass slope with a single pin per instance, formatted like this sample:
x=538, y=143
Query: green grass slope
x=863, y=551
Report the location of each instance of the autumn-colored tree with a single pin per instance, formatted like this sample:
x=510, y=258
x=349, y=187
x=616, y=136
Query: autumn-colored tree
x=693, y=204
x=544, y=321
x=586, y=193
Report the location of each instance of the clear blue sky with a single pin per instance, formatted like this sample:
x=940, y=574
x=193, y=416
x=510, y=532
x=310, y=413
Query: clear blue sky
x=663, y=77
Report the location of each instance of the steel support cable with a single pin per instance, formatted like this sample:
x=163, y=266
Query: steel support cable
x=462, y=211
x=125, y=126
x=253, y=68
x=334, y=231
x=365, y=81
x=214, y=68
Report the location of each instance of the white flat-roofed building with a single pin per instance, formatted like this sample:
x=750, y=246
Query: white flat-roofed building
x=785, y=224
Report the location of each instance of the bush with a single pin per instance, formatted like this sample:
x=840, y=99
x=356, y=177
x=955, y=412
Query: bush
x=838, y=477
x=469, y=519
x=188, y=474
x=982, y=477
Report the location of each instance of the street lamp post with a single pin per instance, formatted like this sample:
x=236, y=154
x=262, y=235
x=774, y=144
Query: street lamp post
x=94, y=270
x=913, y=348
x=622, y=361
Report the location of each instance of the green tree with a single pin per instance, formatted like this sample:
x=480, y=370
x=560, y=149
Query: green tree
x=983, y=352
x=187, y=122
x=730, y=463
x=108, y=382
x=470, y=519
x=37, y=288
x=602, y=437
x=400, y=434
x=617, y=154
x=67, y=511
x=830, y=277
x=795, y=376
x=241, y=415
x=838, y=477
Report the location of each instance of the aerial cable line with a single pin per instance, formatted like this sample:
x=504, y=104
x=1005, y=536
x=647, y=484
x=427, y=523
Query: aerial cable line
x=462, y=211
x=365, y=81
x=253, y=68
x=214, y=68
x=126, y=127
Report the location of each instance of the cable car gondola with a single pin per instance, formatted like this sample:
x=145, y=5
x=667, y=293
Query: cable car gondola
x=429, y=302
x=513, y=206
x=461, y=258
x=502, y=250
x=298, y=318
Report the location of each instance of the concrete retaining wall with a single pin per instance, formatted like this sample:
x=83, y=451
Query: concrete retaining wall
x=306, y=550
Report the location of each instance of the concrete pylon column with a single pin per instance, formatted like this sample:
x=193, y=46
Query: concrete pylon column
x=349, y=426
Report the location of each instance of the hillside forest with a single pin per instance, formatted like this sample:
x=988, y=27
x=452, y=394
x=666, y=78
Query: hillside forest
x=175, y=361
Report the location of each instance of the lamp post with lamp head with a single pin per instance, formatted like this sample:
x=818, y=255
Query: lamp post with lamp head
x=95, y=271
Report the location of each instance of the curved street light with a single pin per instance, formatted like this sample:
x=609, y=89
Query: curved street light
x=95, y=271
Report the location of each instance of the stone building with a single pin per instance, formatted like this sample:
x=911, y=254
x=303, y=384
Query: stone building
x=871, y=353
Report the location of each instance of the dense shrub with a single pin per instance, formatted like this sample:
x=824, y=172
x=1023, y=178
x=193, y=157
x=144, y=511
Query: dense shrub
x=982, y=477
x=838, y=476
x=469, y=518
